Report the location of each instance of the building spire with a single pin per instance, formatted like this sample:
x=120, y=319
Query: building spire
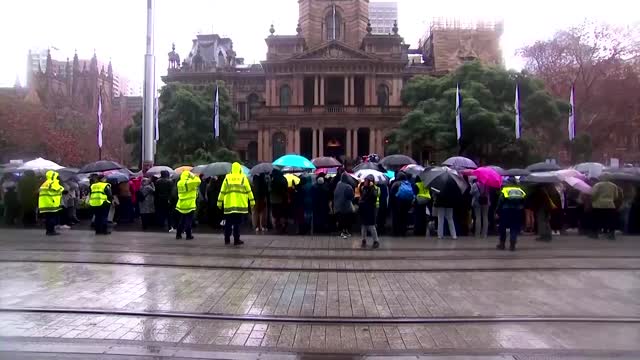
x=76, y=62
x=110, y=70
x=49, y=68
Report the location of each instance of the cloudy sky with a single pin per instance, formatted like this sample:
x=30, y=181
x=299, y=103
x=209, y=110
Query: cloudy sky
x=116, y=28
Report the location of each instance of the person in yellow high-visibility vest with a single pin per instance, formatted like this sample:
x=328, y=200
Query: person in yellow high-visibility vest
x=100, y=202
x=423, y=201
x=49, y=198
x=186, y=206
x=510, y=209
x=235, y=198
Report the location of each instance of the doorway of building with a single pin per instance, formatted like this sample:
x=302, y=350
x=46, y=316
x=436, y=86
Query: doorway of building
x=334, y=91
x=306, y=142
x=334, y=143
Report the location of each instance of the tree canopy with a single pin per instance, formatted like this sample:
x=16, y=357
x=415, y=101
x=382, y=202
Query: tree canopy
x=488, y=115
x=185, y=122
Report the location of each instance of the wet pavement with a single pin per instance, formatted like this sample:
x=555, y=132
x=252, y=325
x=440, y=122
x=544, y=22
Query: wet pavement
x=289, y=297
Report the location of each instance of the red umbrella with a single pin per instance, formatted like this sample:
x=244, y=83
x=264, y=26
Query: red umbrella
x=488, y=177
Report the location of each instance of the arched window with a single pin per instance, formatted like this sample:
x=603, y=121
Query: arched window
x=383, y=96
x=285, y=96
x=221, y=62
x=333, y=24
x=254, y=102
x=278, y=145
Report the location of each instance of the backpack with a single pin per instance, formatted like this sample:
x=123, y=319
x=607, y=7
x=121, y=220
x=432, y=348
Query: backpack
x=405, y=191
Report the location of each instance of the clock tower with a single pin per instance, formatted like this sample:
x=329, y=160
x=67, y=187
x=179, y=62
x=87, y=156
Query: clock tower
x=327, y=20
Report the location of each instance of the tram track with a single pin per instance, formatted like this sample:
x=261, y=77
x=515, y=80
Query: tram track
x=326, y=320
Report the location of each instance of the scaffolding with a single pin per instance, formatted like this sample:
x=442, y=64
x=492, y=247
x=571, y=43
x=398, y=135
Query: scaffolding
x=448, y=23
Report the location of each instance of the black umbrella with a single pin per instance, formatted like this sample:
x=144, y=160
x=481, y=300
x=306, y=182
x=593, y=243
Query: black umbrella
x=515, y=172
x=326, y=162
x=262, y=168
x=216, y=169
x=620, y=176
x=541, y=178
x=543, y=166
x=460, y=162
x=396, y=161
x=100, y=166
x=445, y=182
x=66, y=174
x=369, y=166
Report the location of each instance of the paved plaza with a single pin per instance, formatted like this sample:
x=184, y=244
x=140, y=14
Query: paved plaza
x=146, y=295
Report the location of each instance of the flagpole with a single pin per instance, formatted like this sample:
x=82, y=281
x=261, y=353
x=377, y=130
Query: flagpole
x=99, y=127
x=149, y=94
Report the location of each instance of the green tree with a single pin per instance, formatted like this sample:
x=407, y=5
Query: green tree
x=185, y=123
x=488, y=112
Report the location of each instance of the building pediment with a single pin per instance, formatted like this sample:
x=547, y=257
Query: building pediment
x=334, y=50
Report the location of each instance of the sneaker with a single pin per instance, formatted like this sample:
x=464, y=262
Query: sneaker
x=500, y=247
x=348, y=234
x=343, y=235
x=238, y=243
x=178, y=237
x=172, y=230
x=258, y=229
x=190, y=237
x=376, y=244
x=65, y=227
x=364, y=243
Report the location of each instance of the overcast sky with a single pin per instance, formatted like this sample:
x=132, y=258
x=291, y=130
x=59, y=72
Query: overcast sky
x=116, y=28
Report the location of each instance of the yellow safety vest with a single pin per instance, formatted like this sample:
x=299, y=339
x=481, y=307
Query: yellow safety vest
x=50, y=194
x=98, y=195
x=513, y=192
x=236, y=195
x=377, y=189
x=423, y=191
x=187, y=192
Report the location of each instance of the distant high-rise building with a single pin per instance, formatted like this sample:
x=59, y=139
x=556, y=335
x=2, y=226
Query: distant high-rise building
x=382, y=16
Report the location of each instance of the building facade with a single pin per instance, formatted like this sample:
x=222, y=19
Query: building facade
x=332, y=89
x=383, y=16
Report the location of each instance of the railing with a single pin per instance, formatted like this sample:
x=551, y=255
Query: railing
x=330, y=109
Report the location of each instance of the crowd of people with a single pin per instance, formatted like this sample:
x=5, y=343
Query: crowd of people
x=322, y=203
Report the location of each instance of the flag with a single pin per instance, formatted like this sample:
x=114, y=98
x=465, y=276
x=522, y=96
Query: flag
x=216, y=116
x=100, y=118
x=516, y=105
x=572, y=117
x=458, y=113
x=155, y=120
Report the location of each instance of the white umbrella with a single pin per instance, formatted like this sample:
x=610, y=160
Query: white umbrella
x=40, y=164
x=377, y=175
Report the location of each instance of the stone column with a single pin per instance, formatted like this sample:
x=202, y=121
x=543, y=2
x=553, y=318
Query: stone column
x=346, y=90
x=296, y=136
x=355, y=144
x=260, y=146
x=267, y=93
x=352, y=96
x=314, y=143
x=316, y=97
x=274, y=93
x=372, y=141
x=321, y=142
x=322, y=90
x=380, y=142
x=348, y=146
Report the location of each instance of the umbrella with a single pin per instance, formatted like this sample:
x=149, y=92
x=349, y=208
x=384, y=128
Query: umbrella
x=578, y=184
x=292, y=180
x=547, y=177
x=488, y=177
x=39, y=164
x=326, y=162
x=117, y=177
x=498, y=169
x=620, y=176
x=220, y=169
x=369, y=166
x=67, y=174
x=378, y=176
x=542, y=167
x=566, y=173
x=327, y=171
x=516, y=172
x=590, y=169
x=390, y=174
x=198, y=169
x=262, y=168
x=397, y=160
x=294, y=161
x=181, y=169
x=413, y=169
x=460, y=162
x=156, y=170
x=100, y=166
x=444, y=182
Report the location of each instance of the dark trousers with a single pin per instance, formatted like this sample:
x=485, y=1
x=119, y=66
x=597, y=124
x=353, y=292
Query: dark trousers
x=400, y=217
x=185, y=223
x=420, y=223
x=162, y=214
x=101, y=213
x=147, y=221
x=606, y=220
x=344, y=221
x=50, y=221
x=510, y=219
x=232, y=224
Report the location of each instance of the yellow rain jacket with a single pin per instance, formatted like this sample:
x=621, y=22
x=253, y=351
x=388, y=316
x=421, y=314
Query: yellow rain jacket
x=187, y=192
x=236, y=195
x=50, y=193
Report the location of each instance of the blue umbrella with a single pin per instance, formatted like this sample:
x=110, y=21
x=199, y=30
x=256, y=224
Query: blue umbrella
x=117, y=177
x=294, y=161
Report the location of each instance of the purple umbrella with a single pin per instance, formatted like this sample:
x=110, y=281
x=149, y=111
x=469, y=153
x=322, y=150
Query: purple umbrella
x=460, y=162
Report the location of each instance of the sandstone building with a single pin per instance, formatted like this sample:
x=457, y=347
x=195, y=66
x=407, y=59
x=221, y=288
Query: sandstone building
x=331, y=89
